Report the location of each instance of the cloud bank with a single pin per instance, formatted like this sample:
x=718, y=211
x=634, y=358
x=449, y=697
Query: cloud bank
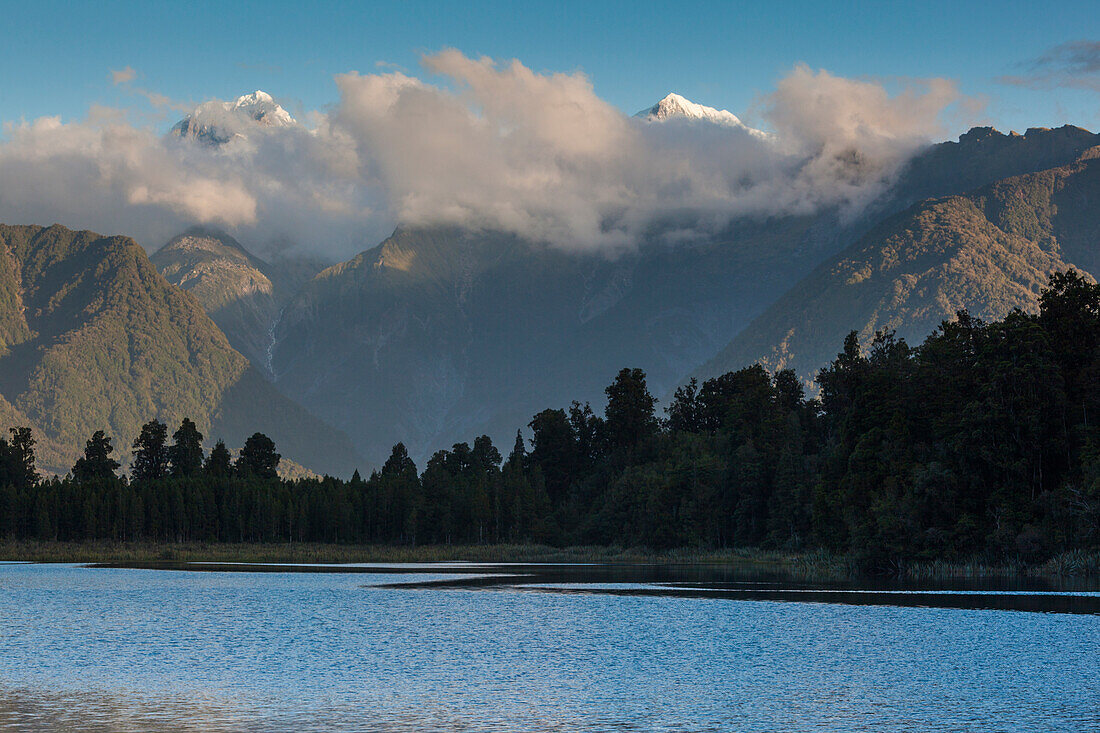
x=496, y=145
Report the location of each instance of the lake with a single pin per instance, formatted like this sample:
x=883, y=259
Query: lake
x=537, y=648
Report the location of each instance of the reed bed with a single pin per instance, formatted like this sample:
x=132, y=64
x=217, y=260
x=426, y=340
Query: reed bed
x=817, y=564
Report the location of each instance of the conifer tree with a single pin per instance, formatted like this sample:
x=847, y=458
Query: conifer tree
x=518, y=456
x=258, y=457
x=219, y=464
x=185, y=454
x=630, y=410
x=151, y=452
x=97, y=462
x=22, y=453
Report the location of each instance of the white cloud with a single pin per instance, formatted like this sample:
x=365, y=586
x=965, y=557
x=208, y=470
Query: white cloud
x=498, y=146
x=854, y=136
x=105, y=174
x=123, y=76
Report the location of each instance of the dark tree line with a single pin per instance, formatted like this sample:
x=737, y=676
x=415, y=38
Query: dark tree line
x=982, y=441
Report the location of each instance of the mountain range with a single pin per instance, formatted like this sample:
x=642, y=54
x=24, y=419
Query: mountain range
x=242, y=293
x=439, y=334
x=443, y=334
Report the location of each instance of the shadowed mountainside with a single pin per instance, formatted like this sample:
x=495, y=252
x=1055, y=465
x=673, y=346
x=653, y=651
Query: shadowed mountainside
x=92, y=337
x=242, y=293
x=438, y=334
x=988, y=251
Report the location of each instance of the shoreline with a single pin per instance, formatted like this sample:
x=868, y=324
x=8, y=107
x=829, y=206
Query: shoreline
x=1075, y=564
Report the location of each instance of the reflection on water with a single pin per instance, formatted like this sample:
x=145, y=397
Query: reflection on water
x=535, y=648
x=753, y=584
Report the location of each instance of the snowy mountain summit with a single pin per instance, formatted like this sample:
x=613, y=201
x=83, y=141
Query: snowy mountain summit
x=217, y=122
x=676, y=107
x=261, y=107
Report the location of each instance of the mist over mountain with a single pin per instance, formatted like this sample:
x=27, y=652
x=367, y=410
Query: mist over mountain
x=675, y=107
x=443, y=333
x=218, y=123
x=481, y=144
x=545, y=240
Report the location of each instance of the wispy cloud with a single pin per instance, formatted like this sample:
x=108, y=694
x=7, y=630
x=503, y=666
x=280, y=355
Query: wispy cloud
x=162, y=101
x=1075, y=64
x=123, y=76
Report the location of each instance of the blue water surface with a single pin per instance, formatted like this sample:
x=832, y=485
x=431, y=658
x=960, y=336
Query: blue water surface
x=136, y=650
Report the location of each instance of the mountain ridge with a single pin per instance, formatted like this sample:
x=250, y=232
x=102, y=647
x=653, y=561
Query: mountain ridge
x=241, y=292
x=95, y=338
x=987, y=251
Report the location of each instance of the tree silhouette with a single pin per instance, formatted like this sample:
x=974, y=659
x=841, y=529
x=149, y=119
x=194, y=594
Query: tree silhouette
x=22, y=453
x=258, y=457
x=185, y=454
x=97, y=462
x=630, y=410
x=219, y=462
x=151, y=452
x=982, y=442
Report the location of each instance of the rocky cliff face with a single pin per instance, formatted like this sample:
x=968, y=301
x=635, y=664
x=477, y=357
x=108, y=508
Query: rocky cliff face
x=242, y=293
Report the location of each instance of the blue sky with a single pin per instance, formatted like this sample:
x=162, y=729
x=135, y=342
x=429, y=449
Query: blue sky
x=57, y=55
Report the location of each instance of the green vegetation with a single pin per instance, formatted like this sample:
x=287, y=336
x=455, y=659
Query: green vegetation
x=240, y=292
x=93, y=338
x=977, y=449
x=989, y=251
x=815, y=565
x=313, y=552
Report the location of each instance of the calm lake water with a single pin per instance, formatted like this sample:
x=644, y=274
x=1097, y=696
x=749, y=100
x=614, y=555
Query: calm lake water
x=545, y=649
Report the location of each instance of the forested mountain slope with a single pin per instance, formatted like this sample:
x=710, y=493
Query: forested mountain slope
x=981, y=156
x=242, y=293
x=988, y=251
x=92, y=337
x=438, y=334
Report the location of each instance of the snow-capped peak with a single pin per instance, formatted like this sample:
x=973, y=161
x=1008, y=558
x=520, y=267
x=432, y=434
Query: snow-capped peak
x=261, y=107
x=674, y=106
x=217, y=122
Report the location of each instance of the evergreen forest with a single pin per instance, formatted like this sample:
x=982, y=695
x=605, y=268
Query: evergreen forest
x=983, y=441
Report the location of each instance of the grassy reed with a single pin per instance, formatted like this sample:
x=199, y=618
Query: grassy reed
x=816, y=564
x=115, y=552
x=1075, y=563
